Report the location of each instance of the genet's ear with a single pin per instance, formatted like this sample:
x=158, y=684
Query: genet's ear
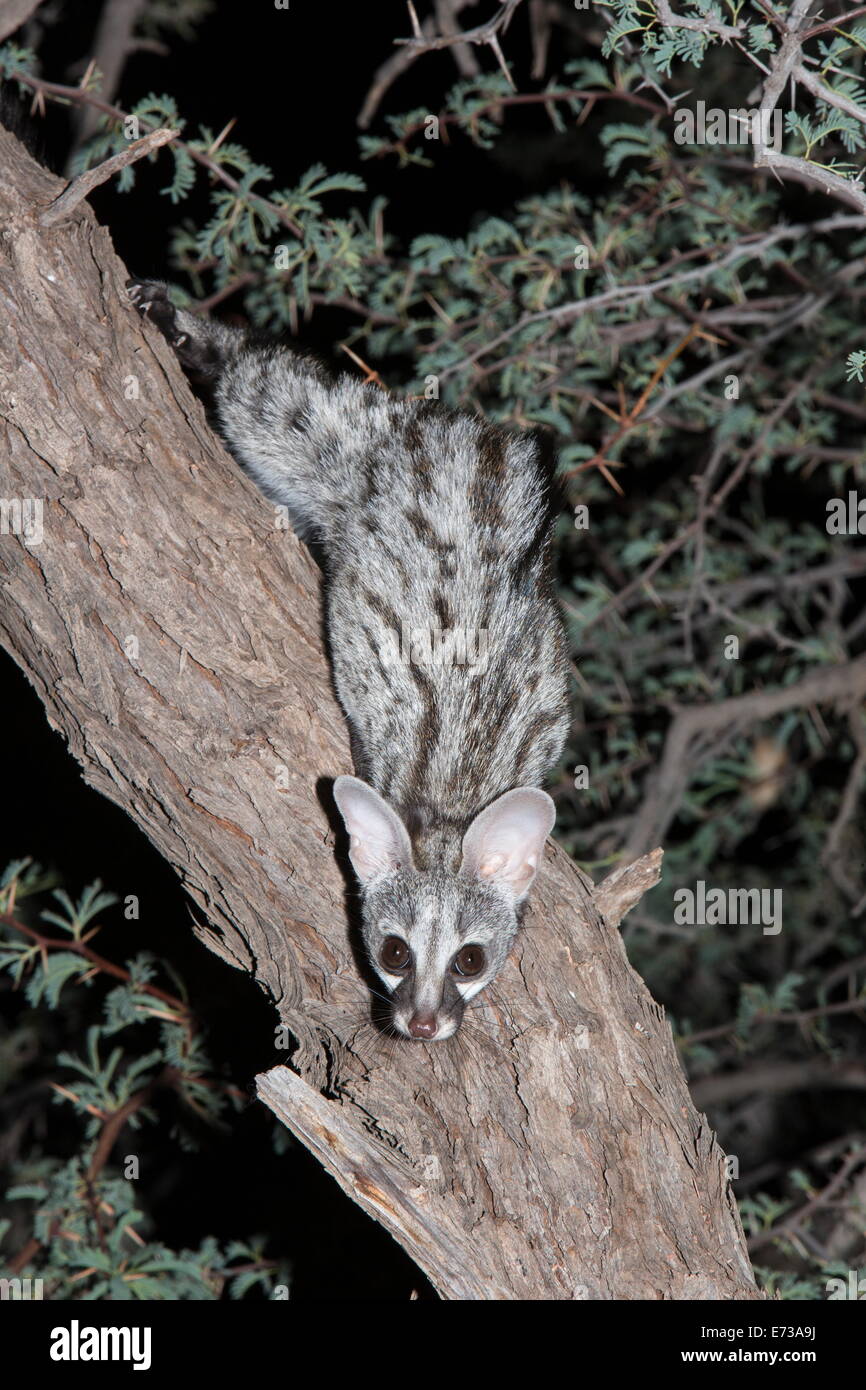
x=378, y=839
x=505, y=841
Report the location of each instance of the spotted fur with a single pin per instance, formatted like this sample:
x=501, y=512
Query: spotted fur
x=430, y=522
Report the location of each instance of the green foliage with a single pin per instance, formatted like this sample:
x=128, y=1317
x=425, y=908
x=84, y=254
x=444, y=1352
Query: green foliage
x=856, y=364
x=90, y=1235
x=668, y=49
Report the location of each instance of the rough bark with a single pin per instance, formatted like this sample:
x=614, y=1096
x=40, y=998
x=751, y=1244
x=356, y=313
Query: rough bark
x=173, y=634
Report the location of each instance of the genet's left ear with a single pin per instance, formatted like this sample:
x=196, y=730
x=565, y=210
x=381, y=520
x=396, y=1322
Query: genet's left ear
x=505, y=841
x=378, y=840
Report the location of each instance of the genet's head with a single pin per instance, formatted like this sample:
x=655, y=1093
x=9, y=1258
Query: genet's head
x=436, y=937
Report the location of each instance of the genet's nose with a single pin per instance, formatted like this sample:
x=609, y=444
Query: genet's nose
x=423, y=1025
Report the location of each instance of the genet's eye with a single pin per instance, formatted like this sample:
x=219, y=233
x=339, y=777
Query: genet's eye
x=394, y=954
x=468, y=961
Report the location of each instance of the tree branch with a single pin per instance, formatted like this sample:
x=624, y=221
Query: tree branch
x=745, y=249
x=112, y=46
x=779, y=1078
x=840, y=685
x=706, y=24
x=783, y=66
x=84, y=185
x=172, y=631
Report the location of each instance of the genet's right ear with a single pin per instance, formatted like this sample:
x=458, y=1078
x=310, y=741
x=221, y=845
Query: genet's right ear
x=378, y=840
x=505, y=842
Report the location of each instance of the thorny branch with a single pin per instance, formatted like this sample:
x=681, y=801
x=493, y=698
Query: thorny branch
x=788, y=64
x=746, y=249
x=112, y=46
x=84, y=185
x=628, y=420
x=440, y=31
x=82, y=96
x=707, y=25
x=482, y=34
x=398, y=63
x=692, y=726
x=792, y=1225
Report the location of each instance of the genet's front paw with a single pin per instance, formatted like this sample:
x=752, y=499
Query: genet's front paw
x=150, y=298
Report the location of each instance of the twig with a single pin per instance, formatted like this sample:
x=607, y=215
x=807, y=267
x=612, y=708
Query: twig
x=706, y=25
x=819, y=89
x=778, y=1078
x=545, y=98
x=80, y=947
x=482, y=33
x=240, y=282
x=115, y=1121
x=81, y=187
x=782, y=67
x=691, y=726
x=743, y=590
x=112, y=47
x=800, y=312
x=833, y=23
x=370, y=374
x=424, y=39
x=354, y=306
x=540, y=24
x=385, y=76
x=627, y=421
x=833, y=855
x=791, y=1223
x=798, y=1017
x=57, y=91
x=625, y=294
x=706, y=512
x=446, y=16
x=813, y=176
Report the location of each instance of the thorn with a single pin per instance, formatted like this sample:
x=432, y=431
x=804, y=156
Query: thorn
x=212, y=149
x=369, y=373
x=87, y=74
x=416, y=27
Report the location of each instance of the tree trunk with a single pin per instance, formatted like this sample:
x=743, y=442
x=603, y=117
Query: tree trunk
x=173, y=634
